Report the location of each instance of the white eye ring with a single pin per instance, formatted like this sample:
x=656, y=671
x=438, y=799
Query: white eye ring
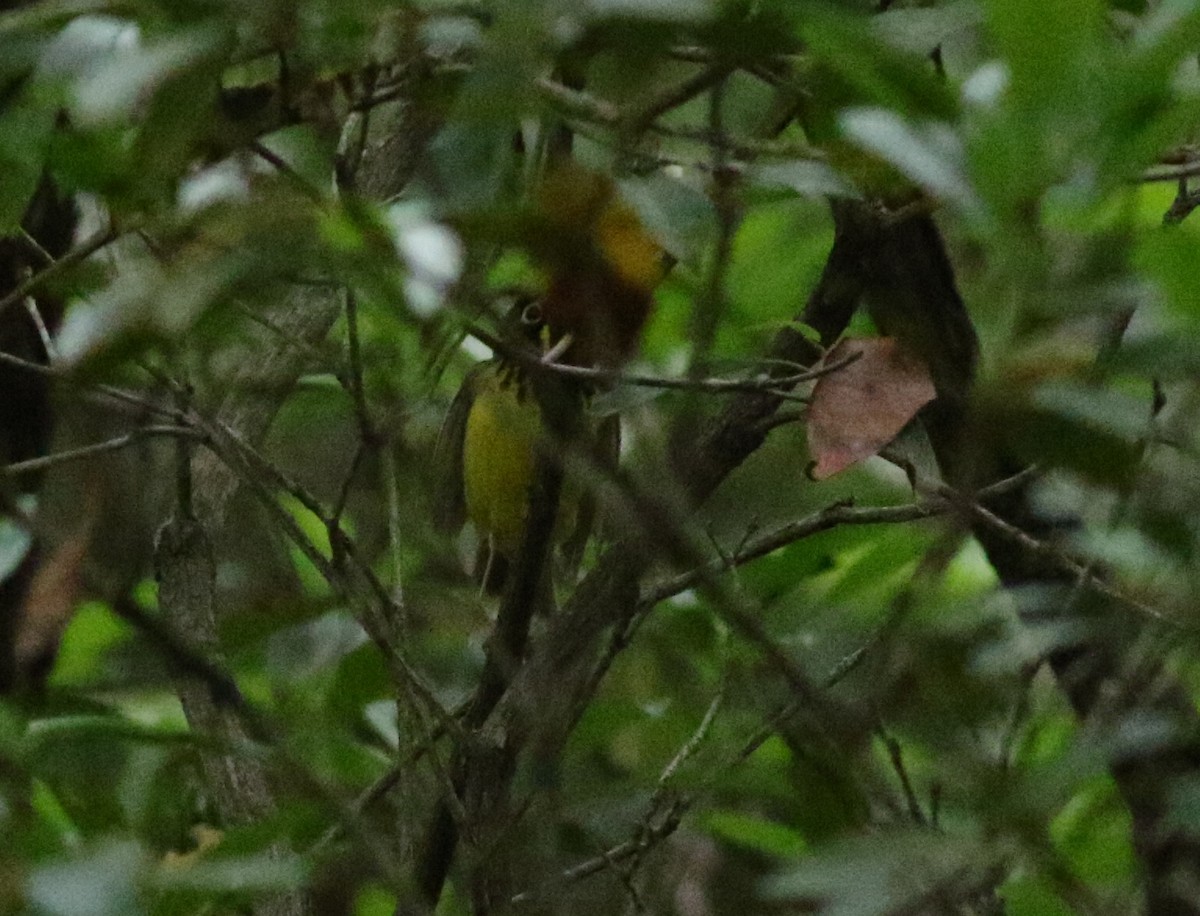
x=531, y=314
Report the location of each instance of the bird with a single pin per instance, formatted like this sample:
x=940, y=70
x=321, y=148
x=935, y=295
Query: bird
x=487, y=449
x=602, y=267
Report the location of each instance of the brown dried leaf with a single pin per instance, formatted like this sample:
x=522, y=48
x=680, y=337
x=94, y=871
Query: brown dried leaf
x=860, y=408
x=49, y=606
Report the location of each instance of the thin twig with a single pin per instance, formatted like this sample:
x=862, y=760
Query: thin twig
x=1181, y=207
x=386, y=782
x=36, y=247
x=109, y=391
x=284, y=168
x=644, y=840
x=347, y=166
x=1067, y=563
x=319, y=357
x=257, y=472
x=1172, y=171
x=368, y=440
x=35, y=315
x=830, y=517
x=85, y=250
x=574, y=103
x=648, y=111
x=654, y=832
x=347, y=485
x=710, y=309
x=188, y=659
x=777, y=384
x=249, y=464
x=774, y=384
x=354, y=355
x=692, y=744
x=392, y=483
x=246, y=460
x=896, y=756
x=99, y=448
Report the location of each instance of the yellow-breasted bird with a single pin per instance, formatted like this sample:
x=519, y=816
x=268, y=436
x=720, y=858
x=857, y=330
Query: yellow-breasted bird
x=487, y=449
x=602, y=268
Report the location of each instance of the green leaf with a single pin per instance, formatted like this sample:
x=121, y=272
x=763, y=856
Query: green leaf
x=1122, y=415
x=755, y=833
x=15, y=541
x=132, y=73
x=1032, y=895
x=853, y=66
x=1169, y=259
x=374, y=901
x=885, y=873
x=28, y=123
x=100, y=882
x=807, y=177
x=678, y=216
x=1093, y=831
x=922, y=30
x=1051, y=439
x=1052, y=50
x=663, y=10
x=92, y=632
x=930, y=155
x=51, y=812
x=260, y=873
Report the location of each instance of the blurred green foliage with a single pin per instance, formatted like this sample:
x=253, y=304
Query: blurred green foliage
x=1032, y=129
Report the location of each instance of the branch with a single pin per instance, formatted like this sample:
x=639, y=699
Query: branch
x=270, y=366
x=653, y=831
x=822, y=520
x=1172, y=171
x=122, y=396
x=646, y=112
x=646, y=838
x=186, y=585
x=547, y=693
x=545, y=696
x=579, y=105
x=99, y=448
x=75, y=256
x=268, y=370
x=765, y=381
x=909, y=265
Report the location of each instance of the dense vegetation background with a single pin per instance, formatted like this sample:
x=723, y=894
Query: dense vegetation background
x=247, y=254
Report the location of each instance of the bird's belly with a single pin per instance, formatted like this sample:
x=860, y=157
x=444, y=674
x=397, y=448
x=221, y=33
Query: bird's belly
x=498, y=449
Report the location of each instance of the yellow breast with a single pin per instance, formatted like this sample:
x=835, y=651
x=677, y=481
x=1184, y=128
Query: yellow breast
x=502, y=431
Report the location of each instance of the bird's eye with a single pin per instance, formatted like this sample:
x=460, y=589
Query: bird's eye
x=531, y=314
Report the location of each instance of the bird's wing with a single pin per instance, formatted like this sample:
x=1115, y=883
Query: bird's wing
x=450, y=503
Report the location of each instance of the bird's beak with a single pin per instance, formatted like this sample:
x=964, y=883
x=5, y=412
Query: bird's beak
x=563, y=344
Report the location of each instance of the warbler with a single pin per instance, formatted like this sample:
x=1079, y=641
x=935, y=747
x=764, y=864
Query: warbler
x=488, y=446
x=603, y=268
